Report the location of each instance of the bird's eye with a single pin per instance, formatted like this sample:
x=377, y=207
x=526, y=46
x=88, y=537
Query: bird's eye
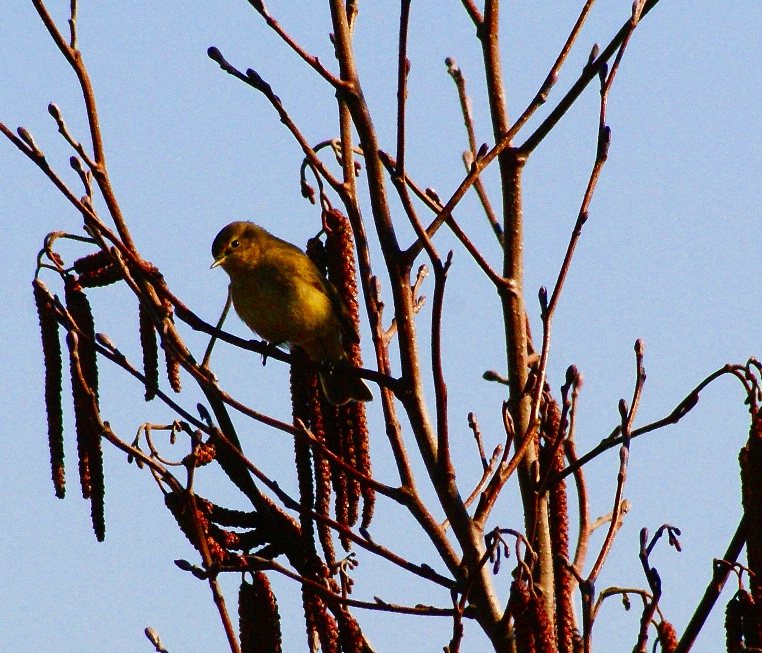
x=235, y=243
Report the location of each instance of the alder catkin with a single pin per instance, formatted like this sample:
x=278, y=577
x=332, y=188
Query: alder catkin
x=751, y=621
x=320, y=424
x=734, y=626
x=322, y=483
x=150, y=349
x=172, y=363
x=258, y=617
x=83, y=418
x=96, y=269
x=51, y=351
x=353, y=431
x=97, y=494
x=79, y=308
x=84, y=361
x=99, y=278
x=518, y=604
x=88, y=427
x=350, y=635
x=302, y=381
x=92, y=262
x=338, y=477
x=182, y=508
x=750, y=458
x=667, y=637
x=558, y=521
x=173, y=371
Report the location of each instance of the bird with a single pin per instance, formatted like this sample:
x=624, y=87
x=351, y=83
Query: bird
x=281, y=295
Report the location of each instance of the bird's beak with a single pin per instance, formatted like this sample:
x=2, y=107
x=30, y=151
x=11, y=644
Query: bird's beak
x=218, y=262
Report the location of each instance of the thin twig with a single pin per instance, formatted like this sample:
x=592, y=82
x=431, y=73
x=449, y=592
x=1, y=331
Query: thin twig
x=474, y=12
x=433, y=203
x=604, y=139
x=627, y=416
x=444, y=461
x=683, y=408
x=218, y=327
x=542, y=95
x=253, y=79
x=403, y=67
x=377, y=605
x=471, y=154
x=311, y=60
x=587, y=75
x=74, y=57
x=479, y=487
x=720, y=573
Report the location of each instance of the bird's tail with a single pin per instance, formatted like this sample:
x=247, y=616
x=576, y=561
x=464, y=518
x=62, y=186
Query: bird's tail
x=339, y=387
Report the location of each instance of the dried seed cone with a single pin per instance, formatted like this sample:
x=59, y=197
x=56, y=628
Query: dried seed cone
x=51, y=351
x=150, y=353
x=258, y=617
x=203, y=454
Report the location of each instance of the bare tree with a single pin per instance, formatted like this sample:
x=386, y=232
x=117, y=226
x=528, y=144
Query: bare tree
x=298, y=536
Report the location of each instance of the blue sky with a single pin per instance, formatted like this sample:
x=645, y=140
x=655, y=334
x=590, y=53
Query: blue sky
x=669, y=255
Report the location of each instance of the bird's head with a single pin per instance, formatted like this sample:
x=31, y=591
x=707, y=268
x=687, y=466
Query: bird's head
x=237, y=245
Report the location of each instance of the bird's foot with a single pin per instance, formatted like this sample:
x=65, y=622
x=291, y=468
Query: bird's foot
x=269, y=347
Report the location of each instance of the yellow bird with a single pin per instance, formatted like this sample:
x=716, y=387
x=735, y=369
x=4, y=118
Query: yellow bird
x=281, y=296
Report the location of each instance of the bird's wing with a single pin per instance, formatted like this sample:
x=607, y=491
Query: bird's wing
x=317, y=280
x=346, y=323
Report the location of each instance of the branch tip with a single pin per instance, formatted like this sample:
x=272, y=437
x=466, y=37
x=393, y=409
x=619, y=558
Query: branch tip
x=54, y=111
x=543, y=297
x=573, y=377
x=215, y=55
x=26, y=136
x=595, y=50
